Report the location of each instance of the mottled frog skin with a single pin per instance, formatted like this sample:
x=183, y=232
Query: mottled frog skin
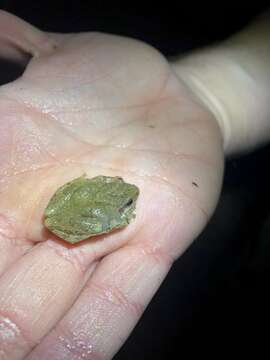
x=88, y=207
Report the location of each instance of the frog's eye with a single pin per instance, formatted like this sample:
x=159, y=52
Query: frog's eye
x=126, y=205
x=130, y=201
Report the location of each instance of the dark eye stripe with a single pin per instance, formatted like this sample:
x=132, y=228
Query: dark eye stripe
x=129, y=202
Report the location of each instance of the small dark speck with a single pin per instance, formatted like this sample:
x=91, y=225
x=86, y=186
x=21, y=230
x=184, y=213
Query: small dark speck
x=151, y=126
x=195, y=184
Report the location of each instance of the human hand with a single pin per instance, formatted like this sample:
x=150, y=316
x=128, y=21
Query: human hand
x=101, y=105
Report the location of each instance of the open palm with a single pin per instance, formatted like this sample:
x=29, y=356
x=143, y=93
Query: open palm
x=100, y=105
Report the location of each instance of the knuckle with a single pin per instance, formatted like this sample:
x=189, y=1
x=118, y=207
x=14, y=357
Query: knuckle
x=12, y=338
x=115, y=297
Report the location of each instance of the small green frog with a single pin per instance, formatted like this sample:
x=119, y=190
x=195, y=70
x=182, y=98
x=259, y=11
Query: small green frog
x=88, y=207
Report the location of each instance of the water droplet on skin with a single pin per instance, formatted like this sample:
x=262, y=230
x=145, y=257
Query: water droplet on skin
x=121, y=146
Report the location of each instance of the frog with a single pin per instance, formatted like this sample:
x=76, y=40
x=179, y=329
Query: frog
x=86, y=207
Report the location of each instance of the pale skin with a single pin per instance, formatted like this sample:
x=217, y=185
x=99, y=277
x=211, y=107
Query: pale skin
x=101, y=105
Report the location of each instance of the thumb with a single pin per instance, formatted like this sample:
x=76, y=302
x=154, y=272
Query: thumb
x=19, y=39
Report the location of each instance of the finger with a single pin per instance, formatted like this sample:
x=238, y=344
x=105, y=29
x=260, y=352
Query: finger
x=12, y=247
x=108, y=308
x=18, y=39
x=36, y=292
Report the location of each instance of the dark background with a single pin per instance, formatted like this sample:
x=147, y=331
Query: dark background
x=214, y=301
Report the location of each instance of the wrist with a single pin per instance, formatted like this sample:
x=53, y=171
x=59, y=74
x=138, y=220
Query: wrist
x=221, y=82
